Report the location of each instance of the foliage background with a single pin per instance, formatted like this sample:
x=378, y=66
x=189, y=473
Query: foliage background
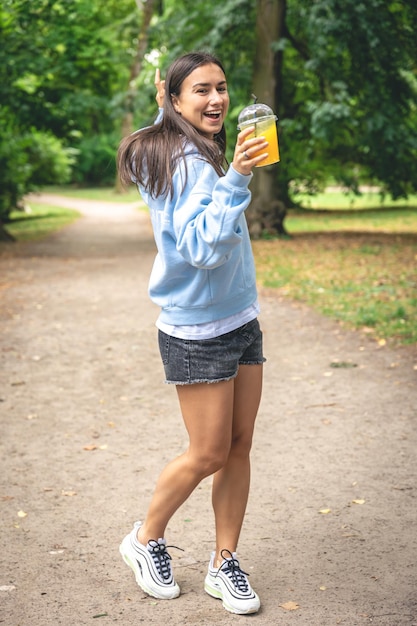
x=344, y=73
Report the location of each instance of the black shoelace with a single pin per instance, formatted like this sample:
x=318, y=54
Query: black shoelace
x=232, y=569
x=161, y=558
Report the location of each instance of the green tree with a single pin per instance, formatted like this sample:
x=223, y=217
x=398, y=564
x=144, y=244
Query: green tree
x=62, y=62
x=62, y=65
x=340, y=76
x=348, y=94
x=269, y=187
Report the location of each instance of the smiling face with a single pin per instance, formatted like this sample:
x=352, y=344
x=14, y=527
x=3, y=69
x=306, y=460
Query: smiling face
x=204, y=100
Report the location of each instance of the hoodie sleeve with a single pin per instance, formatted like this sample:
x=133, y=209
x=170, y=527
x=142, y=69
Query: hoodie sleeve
x=207, y=214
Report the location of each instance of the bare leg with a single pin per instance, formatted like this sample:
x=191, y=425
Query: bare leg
x=231, y=482
x=207, y=410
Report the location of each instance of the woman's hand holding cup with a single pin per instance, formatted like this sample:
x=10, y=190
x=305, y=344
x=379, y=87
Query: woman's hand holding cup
x=247, y=151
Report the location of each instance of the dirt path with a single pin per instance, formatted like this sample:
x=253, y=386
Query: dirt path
x=87, y=424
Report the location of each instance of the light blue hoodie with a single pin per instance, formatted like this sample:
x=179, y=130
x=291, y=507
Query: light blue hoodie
x=204, y=270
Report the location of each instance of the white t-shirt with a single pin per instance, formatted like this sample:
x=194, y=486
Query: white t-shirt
x=208, y=330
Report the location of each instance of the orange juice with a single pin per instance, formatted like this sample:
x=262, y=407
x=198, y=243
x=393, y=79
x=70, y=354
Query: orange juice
x=267, y=128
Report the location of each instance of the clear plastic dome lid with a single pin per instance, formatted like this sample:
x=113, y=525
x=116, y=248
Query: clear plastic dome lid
x=254, y=113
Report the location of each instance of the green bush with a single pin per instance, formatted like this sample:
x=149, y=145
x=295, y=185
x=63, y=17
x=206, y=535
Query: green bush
x=14, y=173
x=27, y=160
x=50, y=162
x=96, y=161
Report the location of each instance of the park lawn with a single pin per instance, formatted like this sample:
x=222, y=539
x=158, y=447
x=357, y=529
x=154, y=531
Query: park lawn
x=39, y=221
x=104, y=194
x=387, y=220
x=360, y=270
x=356, y=266
x=335, y=199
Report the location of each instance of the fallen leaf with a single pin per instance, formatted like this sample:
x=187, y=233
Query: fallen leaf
x=358, y=501
x=21, y=514
x=7, y=587
x=343, y=364
x=68, y=493
x=92, y=446
x=322, y=588
x=325, y=511
x=319, y=406
x=4, y=498
x=382, y=342
x=289, y=606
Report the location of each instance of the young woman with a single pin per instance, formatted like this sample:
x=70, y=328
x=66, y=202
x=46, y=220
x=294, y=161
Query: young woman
x=203, y=279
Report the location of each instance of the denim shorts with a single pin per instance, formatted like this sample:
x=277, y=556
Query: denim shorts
x=188, y=361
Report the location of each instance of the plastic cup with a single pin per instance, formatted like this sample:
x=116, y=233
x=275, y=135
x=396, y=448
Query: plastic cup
x=263, y=119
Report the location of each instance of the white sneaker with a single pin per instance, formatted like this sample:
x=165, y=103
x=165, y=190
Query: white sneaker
x=230, y=584
x=150, y=564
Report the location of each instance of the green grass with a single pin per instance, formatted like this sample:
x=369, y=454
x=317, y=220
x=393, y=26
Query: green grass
x=39, y=222
x=356, y=266
x=338, y=201
x=105, y=194
x=392, y=220
x=366, y=280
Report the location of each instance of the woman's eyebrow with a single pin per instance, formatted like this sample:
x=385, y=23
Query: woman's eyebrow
x=222, y=82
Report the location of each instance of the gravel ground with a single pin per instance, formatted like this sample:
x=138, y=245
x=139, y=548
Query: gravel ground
x=87, y=424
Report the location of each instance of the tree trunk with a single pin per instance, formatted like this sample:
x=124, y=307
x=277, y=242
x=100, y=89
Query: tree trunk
x=146, y=7
x=4, y=233
x=267, y=209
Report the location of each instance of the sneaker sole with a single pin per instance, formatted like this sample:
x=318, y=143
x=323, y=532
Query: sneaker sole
x=215, y=592
x=140, y=581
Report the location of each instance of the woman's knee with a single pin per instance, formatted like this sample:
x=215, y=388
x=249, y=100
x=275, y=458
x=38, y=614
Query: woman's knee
x=241, y=445
x=206, y=463
x=209, y=462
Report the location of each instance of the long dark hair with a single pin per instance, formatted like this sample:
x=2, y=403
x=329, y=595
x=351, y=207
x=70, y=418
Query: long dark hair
x=149, y=156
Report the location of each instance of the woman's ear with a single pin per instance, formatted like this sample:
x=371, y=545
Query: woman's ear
x=175, y=104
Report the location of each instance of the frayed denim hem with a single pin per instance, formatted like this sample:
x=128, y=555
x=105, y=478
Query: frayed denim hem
x=199, y=381
x=216, y=380
x=261, y=362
